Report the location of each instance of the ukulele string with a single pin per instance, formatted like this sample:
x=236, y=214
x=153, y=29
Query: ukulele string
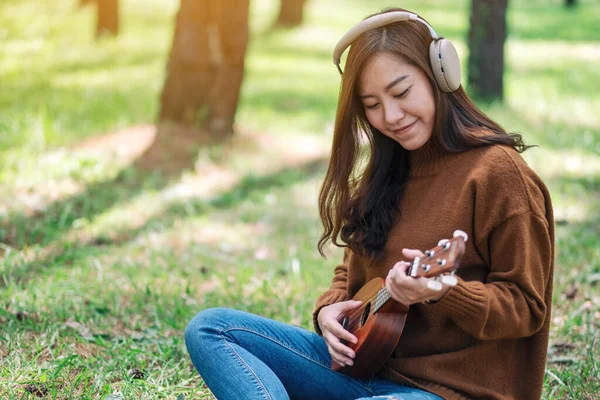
x=356, y=315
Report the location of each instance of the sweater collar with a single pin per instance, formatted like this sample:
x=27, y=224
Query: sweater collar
x=429, y=159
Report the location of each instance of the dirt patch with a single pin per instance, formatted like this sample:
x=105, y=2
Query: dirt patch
x=128, y=142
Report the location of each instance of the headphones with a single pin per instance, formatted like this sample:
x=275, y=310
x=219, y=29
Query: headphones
x=442, y=54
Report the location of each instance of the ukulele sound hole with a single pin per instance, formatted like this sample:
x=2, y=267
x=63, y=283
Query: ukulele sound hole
x=365, y=314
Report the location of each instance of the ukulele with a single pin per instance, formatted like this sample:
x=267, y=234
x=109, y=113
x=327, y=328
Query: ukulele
x=379, y=321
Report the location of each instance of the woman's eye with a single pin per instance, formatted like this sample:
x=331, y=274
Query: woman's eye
x=401, y=95
x=372, y=107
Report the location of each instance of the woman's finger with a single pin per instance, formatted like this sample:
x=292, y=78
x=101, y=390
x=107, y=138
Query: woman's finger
x=348, y=305
x=412, y=253
x=337, y=332
x=334, y=355
x=339, y=353
x=342, y=349
x=344, y=334
x=334, y=326
x=400, y=269
x=341, y=360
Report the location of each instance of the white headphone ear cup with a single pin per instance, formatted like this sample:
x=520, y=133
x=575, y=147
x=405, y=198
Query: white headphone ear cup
x=445, y=64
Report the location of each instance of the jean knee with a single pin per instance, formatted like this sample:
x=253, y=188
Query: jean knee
x=204, y=322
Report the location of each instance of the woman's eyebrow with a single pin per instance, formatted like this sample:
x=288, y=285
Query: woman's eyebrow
x=388, y=87
x=395, y=81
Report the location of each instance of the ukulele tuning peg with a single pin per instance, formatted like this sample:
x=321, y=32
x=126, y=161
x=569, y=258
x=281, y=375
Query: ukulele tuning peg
x=458, y=232
x=435, y=285
x=449, y=280
x=443, y=242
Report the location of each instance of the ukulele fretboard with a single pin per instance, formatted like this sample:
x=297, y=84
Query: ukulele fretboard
x=380, y=299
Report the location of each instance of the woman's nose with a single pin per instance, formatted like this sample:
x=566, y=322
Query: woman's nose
x=393, y=114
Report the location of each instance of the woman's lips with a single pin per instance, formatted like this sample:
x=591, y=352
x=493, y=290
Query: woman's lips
x=404, y=129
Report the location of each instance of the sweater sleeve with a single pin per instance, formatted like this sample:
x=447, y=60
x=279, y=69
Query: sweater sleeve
x=338, y=291
x=511, y=302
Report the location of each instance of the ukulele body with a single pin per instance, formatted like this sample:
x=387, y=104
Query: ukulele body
x=377, y=333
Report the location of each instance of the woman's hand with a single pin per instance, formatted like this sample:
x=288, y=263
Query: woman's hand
x=333, y=331
x=408, y=290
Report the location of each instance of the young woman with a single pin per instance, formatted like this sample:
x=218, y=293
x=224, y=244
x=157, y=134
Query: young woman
x=436, y=164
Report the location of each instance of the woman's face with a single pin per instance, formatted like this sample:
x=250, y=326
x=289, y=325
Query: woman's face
x=398, y=100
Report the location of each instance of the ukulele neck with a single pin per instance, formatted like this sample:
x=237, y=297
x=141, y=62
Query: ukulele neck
x=381, y=298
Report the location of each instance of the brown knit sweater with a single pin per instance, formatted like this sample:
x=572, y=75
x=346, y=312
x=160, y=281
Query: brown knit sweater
x=487, y=337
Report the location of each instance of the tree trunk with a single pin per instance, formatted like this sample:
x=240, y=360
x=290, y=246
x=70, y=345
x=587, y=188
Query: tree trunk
x=206, y=64
x=487, y=34
x=570, y=3
x=108, y=18
x=231, y=33
x=290, y=13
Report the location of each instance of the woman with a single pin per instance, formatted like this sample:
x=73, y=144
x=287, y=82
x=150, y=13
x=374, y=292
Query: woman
x=436, y=164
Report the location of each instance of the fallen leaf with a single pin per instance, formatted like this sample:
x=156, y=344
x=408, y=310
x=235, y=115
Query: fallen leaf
x=83, y=330
x=22, y=315
x=135, y=373
x=571, y=292
x=560, y=347
x=36, y=390
x=594, y=278
x=562, y=360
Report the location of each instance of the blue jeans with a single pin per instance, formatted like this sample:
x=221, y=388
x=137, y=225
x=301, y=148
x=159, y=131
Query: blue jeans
x=245, y=356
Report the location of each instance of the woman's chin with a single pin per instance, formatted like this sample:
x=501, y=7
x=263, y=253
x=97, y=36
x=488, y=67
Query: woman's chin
x=412, y=145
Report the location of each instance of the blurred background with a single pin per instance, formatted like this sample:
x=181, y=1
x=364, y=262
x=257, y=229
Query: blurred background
x=159, y=157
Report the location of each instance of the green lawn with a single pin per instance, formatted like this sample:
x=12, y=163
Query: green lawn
x=103, y=264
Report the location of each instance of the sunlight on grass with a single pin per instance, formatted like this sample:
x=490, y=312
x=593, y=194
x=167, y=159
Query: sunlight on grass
x=101, y=266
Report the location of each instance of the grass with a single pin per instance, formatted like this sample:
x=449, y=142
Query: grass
x=102, y=265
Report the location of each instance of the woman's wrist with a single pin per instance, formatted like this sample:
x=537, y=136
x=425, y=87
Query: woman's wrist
x=433, y=300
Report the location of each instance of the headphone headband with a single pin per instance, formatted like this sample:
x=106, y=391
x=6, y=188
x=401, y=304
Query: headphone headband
x=373, y=22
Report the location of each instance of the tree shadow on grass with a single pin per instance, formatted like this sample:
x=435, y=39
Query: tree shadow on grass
x=172, y=151
x=64, y=253
x=250, y=186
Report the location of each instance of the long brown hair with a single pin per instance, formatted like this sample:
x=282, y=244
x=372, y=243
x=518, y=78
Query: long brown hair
x=360, y=205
